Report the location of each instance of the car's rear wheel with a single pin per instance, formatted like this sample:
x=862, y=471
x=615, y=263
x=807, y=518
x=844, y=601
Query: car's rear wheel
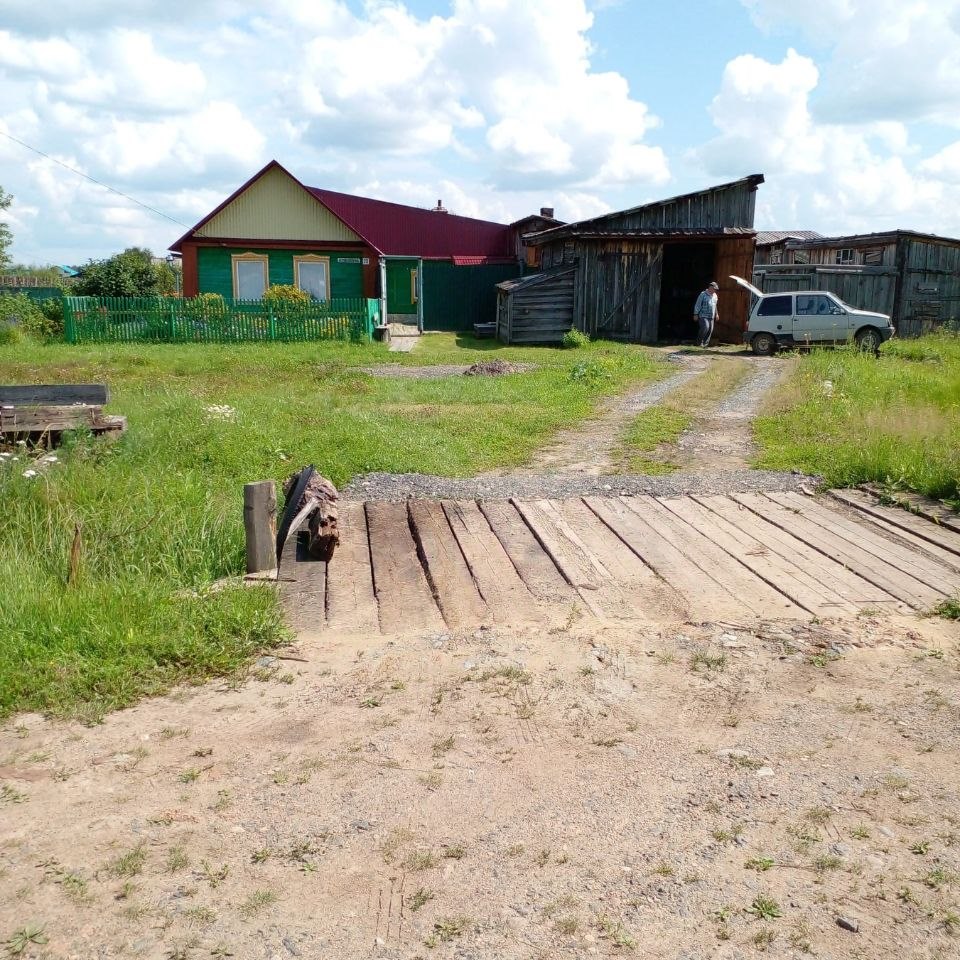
x=764, y=344
x=868, y=339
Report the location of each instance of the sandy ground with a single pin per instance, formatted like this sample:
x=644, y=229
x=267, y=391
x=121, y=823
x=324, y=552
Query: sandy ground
x=675, y=791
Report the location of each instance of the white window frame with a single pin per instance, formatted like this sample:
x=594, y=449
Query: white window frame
x=249, y=257
x=845, y=256
x=311, y=258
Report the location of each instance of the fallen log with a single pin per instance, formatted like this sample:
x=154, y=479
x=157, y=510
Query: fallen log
x=310, y=500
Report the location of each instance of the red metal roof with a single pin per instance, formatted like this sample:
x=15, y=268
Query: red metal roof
x=394, y=229
x=401, y=231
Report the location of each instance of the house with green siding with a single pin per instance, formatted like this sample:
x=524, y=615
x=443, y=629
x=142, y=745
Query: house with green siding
x=427, y=267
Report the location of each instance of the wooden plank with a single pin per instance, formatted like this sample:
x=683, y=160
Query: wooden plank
x=351, y=601
x=538, y=571
x=457, y=594
x=827, y=587
x=54, y=394
x=303, y=583
x=506, y=595
x=753, y=592
x=404, y=595
x=782, y=574
x=914, y=528
x=854, y=558
x=931, y=509
x=572, y=559
x=701, y=591
x=627, y=587
x=41, y=419
x=921, y=568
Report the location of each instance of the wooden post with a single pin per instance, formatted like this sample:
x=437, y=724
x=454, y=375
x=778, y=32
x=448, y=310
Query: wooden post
x=260, y=524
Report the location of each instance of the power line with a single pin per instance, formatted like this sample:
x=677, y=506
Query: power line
x=106, y=186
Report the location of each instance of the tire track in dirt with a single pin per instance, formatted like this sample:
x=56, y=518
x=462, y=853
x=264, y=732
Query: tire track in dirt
x=723, y=439
x=590, y=447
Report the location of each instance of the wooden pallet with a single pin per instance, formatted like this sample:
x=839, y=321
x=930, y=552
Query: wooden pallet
x=744, y=558
x=35, y=411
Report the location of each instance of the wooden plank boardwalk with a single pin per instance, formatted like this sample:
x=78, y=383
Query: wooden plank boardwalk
x=459, y=564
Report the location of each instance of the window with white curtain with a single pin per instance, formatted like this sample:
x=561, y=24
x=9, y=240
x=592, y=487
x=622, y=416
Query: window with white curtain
x=250, y=276
x=312, y=275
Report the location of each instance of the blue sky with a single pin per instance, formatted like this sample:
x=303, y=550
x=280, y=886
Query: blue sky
x=850, y=108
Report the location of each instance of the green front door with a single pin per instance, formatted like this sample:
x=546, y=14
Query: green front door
x=402, y=286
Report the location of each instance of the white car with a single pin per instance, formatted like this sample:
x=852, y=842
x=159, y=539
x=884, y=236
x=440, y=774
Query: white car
x=805, y=317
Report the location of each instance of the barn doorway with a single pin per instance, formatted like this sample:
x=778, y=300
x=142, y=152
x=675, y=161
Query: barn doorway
x=687, y=269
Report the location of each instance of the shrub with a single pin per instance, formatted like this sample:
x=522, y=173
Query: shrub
x=47, y=322
x=203, y=305
x=132, y=273
x=573, y=339
x=591, y=373
x=284, y=295
x=9, y=334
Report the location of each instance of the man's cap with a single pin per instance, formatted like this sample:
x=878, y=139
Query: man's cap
x=714, y=284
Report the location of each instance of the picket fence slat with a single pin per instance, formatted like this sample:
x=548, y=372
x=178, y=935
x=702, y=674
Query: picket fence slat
x=197, y=320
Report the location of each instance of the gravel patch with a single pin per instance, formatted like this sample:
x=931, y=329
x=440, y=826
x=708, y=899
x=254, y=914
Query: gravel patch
x=653, y=394
x=392, y=486
x=745, y=400
x=435, y=371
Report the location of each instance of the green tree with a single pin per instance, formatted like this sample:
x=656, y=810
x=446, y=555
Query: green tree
x=132, y=273
x=6, y=237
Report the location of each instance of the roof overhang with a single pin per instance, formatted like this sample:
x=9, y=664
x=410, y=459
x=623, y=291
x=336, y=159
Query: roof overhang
x=664, y=234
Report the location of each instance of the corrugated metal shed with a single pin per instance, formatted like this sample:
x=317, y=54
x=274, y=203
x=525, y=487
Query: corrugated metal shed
x=395, y=229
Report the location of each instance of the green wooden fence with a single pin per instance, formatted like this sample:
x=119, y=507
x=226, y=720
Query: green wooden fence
x=212, y=320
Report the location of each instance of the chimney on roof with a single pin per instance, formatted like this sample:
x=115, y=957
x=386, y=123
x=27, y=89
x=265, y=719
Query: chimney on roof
x=547, y=212
x=440, y=208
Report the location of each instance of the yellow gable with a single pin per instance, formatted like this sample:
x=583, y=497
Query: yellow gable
x=276, y=207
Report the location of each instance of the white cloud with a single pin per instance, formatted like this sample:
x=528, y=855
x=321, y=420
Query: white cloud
x=944, y=165
x=521, y=70
x=889, y=59
x=838, y=178
x=494, y=103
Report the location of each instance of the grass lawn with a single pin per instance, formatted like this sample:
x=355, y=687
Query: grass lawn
x=855, y=418
x=157, y=516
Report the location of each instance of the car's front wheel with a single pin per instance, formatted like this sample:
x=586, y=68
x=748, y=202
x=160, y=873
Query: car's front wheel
x=764, y=344
x=868, y=340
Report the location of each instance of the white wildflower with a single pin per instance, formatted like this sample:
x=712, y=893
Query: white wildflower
x=220, y=411
x=49, y=458
x=29, y=473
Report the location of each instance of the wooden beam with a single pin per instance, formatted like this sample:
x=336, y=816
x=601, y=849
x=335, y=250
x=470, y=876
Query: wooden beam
x=260, y=525
x=53, y=394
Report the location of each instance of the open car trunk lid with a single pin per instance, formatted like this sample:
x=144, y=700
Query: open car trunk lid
x=747, y=285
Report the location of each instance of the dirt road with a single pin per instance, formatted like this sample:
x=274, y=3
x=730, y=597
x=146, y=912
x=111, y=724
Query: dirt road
x=689, y=791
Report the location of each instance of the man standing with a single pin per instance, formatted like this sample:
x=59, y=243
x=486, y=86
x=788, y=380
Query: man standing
x=705, y=313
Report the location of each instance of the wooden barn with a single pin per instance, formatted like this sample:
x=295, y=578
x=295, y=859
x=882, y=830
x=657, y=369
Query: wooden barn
x=635, y=275
x=427, y=267
x=913, y=277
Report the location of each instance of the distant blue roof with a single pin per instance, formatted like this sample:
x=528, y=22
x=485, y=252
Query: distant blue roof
x=68, y=271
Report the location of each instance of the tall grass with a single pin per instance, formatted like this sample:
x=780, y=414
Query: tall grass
x=157, y=515
x=853, y=418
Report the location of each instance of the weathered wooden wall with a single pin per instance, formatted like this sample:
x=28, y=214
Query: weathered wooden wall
x=538, y=309
x=617, y=286
x=929, y=293
x=734, y=257
x=918, y=283
x=731, y=205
